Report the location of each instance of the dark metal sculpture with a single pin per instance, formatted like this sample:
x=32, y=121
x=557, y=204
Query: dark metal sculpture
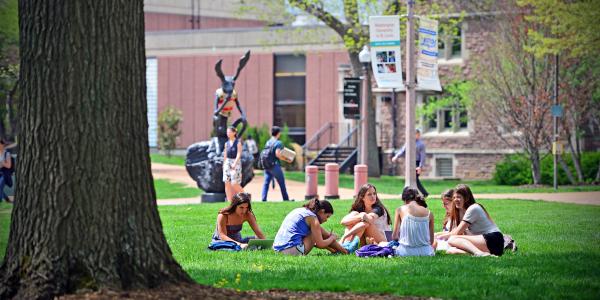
x=204, y=160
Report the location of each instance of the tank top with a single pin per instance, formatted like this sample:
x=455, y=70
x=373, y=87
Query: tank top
x=414, y=231
x=232, y=149
x=293, y=229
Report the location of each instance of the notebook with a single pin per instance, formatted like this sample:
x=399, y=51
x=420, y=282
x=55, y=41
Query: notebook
x=258, y=244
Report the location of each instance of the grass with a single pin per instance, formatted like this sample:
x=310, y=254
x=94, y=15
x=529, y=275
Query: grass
x=394, y=185
x=558, y=257
x=166, y=189
x=172, y=160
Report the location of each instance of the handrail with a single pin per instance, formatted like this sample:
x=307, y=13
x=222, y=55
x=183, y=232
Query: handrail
x=348, y=136
x=317, y=135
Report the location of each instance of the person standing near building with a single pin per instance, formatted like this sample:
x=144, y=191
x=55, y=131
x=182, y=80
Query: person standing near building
x=252, y=147
x=420, y=157
x=275, y=172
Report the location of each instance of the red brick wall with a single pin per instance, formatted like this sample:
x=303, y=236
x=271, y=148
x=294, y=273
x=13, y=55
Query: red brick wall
x=161, y=22
x=322, y=99
x=189, y=83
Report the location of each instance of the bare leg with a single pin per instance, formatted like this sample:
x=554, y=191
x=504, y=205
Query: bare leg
x=454, y=250
x=375, y=235
x=237, y=188
x=308, y=244
x=356, y=230
x=228, y=191
x=474, y=244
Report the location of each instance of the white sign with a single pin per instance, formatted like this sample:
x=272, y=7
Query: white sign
x=384, y=32
x=427, y=65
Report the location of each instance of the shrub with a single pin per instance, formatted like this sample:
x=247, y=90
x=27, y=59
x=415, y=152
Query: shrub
x=168, y=129
x=515, y=169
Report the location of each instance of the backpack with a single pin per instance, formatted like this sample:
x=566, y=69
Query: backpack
x=266, y=158
x=509, y=243
x=224, y=246
x=374, y=251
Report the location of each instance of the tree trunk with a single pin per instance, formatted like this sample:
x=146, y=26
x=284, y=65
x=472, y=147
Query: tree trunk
x=576, y=157
x=373, y=150
x=535, y=167
x=565, y=168
x=85, y=215
x=598, y=173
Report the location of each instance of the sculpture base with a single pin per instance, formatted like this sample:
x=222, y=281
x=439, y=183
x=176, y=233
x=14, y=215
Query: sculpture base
x=332, y=197
x=213, y=197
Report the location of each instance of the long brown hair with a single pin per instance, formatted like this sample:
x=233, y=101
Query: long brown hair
x=465, y=192
x=359, y=203
x=447, y=194
x=410, y=194
x=237, y=200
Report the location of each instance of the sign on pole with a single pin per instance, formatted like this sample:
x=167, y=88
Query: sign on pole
x=351, y=103
x=384, y=33
x=427, y=64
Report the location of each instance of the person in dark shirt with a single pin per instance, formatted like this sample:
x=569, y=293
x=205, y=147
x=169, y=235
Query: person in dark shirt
x=420, y=157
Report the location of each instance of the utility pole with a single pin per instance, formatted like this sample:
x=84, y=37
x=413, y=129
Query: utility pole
x=409, y=135
x=365, y=58
x=555, y=123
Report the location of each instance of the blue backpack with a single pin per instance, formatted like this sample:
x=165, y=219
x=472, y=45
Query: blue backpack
x=224, y=246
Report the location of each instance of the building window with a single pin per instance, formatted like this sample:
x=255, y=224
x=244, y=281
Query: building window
x=450, y=45
x=290, y=95
x=443, y=167
x=446, y=119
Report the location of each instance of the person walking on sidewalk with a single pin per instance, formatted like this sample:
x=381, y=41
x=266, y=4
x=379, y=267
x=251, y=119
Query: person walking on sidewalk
x=420, y=157
x=275, y=172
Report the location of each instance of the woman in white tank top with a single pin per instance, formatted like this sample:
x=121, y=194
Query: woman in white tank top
x=413, y=226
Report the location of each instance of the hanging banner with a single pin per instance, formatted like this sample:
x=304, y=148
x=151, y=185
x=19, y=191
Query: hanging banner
x=351, y=105
x=427, y=65
x=384, y=33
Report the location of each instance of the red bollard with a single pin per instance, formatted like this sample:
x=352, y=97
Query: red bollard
x=312, y=180
x=361, y=175
x=332, y=181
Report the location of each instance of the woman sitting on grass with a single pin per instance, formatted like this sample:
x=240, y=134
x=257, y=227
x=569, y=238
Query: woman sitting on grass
x=438, y=243
x=368, y=219
x=415, y=224
x=231, y=219
x=473, y=230
x=301, y=230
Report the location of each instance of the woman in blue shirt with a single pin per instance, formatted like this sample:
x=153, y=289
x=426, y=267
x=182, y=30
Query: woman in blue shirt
x=301, y=230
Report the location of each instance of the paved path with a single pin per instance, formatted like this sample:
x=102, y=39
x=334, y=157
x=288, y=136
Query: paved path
x=296, y=190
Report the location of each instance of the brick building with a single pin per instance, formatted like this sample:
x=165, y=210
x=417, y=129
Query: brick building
x=296, y=79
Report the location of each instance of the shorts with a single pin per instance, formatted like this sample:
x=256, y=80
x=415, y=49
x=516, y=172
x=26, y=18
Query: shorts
x=494, y=242
x=234, y=176
x=294, y=250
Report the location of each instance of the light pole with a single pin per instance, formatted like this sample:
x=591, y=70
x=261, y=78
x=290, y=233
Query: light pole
x=365, y=58
x=409, y=134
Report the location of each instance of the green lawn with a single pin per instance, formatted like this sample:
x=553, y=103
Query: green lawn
x=163, y=159
x=558, y=257
x=166, y=189
x=394, y=185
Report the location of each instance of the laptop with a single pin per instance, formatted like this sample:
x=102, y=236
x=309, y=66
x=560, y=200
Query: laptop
x=388, y=235
x=258, y=244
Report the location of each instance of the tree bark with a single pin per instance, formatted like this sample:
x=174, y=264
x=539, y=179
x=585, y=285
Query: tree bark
x=85, y=215
x=536, y=172
x=565, y=168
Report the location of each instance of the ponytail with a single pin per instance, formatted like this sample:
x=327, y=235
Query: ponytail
x=410, y=194
x=421, y=201
x=315, y=205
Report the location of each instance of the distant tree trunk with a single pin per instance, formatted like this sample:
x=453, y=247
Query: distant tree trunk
x=85, y=215
x=567, y=170
x=536, y=172
x=598, y=173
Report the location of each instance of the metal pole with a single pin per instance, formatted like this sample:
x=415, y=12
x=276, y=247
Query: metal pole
x=394, y=127
x=364, y=117
x=555, y=123
x=410, y=163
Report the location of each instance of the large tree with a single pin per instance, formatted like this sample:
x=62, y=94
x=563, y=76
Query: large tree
x=85, y=215
x=514, y=89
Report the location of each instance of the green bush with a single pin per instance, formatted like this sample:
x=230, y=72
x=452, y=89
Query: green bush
x=168, y=128
x=515, y=169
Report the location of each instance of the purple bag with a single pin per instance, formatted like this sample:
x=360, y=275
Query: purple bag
x=374, y=251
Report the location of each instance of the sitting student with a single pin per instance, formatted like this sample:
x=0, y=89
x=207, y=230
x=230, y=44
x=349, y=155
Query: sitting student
x=368, y=219
x=441, y=244
x=473, y=231
x=301, y=230
x=231, y=219
x=416, y=226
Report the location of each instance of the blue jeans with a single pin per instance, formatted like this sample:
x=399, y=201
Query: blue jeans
x=276, y=173
x=1, y=188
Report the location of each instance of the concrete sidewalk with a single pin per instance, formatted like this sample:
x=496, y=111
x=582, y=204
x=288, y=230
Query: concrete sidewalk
x=296, y=190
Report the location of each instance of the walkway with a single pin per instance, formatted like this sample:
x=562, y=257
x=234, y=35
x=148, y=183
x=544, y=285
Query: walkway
x=296, y=190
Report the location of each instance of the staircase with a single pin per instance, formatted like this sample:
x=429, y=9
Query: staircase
x=344, y=156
